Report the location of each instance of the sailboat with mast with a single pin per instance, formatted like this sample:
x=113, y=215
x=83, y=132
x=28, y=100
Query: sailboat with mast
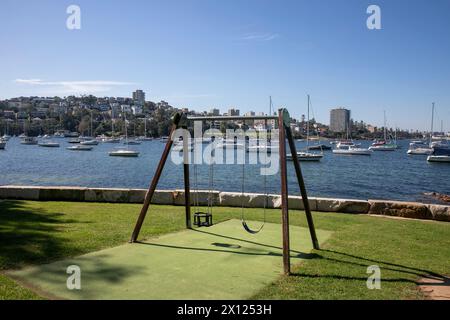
x=305, y=155
x=91, y=141
x=348, y=147
x=124, y=152
x=419, y=148
x=111, y=139
x=145, y=137
x=383, y=145
x=6, y=136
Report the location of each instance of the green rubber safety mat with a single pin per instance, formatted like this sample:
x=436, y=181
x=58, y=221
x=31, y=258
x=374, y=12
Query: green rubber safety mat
x=219, y=262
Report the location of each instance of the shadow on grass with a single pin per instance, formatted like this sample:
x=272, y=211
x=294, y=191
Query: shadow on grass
x=248, y=241
x=384, y=265
x=260, y=250
x=30, y=235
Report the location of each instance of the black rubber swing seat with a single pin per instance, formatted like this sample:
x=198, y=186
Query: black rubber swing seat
x=247, y=228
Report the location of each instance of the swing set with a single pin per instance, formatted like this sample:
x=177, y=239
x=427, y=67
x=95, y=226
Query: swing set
x=180, y=120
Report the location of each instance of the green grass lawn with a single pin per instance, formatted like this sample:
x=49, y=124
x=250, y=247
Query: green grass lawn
x=405, y=250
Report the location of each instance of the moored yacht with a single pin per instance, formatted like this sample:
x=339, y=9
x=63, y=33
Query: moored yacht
x=48, y=144
x=74, y=141
x=92, y=142
x=320, y=146
x=29, y=140
x=305, y=156
x=440, y=155
x=263, y=148
x=123, y=153
x=110, y=140
x=419, y=149
x=351, y=149
x=80, y=147
x=2, y=144
x=383, y=145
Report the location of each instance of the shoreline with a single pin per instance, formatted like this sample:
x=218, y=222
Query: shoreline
x=414, y=210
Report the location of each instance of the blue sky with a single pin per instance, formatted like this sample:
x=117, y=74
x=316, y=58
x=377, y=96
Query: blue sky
x=221, y=53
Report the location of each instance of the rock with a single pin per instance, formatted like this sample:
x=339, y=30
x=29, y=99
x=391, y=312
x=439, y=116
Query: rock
x=137, y=195
x=19, y=192
x=232, y=199
x=201, y=196
x=296, y=203
x=249, y=200
x=413, y=210
x=342, y=205
x=440, y=213
x=107, y=195
x=163, y=197
x=62, y=194
x=438, y=196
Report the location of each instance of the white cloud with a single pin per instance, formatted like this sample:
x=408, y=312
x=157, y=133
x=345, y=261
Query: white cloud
x=73, y=87
x=258, y=36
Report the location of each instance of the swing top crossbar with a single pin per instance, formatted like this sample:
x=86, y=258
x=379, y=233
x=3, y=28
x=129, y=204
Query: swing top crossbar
x=230, y=118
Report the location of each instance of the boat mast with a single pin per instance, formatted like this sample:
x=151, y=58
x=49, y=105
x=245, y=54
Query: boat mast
x=92, y=128
x=145, y=126
x=432, y=122
x=270, y=105
x=126, y=129
x=307, y=125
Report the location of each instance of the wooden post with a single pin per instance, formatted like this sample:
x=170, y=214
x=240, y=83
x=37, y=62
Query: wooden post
x=154, y=183
x=284, y=193
x=301, y=183
x=187, y=191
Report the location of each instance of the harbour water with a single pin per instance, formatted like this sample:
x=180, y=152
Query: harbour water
x=383, y=175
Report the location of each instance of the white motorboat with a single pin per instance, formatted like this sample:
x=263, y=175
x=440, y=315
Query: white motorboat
x=433, y=158
x=49, y=144
x=2, y=144
x=384, y=147
x=58, y=135
x=230, y=144
x=419, y=142
x=305, y=156
x=263, y=148
x=351, y=149
x=5, y=137
x=74, y=141
x=80, y=147
x=179, y=147
x=419, y=149
x=89, y=142
x=123, y=153
x=29, y=141
x=111, y=140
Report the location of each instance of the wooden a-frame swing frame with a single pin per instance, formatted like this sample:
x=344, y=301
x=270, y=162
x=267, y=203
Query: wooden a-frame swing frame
x=285, y=133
